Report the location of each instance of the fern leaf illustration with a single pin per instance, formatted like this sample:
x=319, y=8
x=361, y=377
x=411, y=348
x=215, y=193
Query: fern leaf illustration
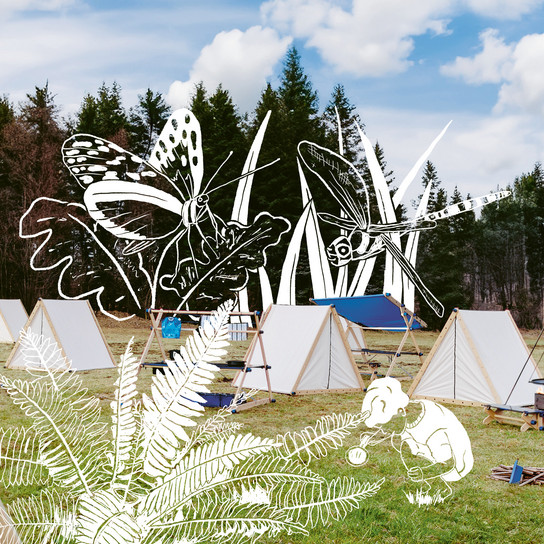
x=8, y=533
x=175, y=399
x=124, y=421
x=229, y=520
x=205, y=466
x=47, y=518
x=69, y=421
x=42, y=355
x=20, y=462
x=332, y=500
x=106, y=519
x=315, y=440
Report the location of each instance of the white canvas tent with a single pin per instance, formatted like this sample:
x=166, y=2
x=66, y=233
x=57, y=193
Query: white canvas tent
x=73, y=326
x=354, y=334
x=13, y=317
x=307, y=351
x=479, y=358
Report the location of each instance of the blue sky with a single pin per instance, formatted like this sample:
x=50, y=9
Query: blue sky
x=409, y=67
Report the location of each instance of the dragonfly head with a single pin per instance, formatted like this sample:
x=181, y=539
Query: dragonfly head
x=202, y=200
x=345, y=249
x=340, y=251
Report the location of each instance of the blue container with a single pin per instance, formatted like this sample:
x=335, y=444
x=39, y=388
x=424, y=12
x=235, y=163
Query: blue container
x=517, y=471
x=217, y=400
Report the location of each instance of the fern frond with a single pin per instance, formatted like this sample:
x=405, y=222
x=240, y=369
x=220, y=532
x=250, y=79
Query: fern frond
x=42, y=356
x=228, y=521
x=214, y=428
x=68, y=421
x=175, y=399
x=204, y=466
x=124, y=421
x=333, y=500
x=315, y=440
x=105, y=518
x=47, y=518
x=20, y=462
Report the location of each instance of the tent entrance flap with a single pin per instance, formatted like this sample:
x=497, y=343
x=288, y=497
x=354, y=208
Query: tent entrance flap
x=479, y=357
x=73, y=326
x=307, y=351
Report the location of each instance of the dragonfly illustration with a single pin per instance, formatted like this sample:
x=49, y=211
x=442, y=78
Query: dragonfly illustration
x=160, y=201
x=364, y=239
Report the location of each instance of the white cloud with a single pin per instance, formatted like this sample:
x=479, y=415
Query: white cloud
x=517, y=67
x=503, y=9
x=8, y=7
x=489, y=66
x=524, y=87
x=477, y=154
x=370, y=38
x=240, y=61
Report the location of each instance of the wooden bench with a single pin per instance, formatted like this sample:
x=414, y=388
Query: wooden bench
x=528, y=418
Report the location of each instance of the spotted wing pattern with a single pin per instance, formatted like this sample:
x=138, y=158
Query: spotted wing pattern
x=123, y=193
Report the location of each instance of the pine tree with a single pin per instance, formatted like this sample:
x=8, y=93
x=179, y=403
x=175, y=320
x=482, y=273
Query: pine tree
x=340, y=107
x=104, y=115
x=30, y=155
x=226, y=136
x=147, y=120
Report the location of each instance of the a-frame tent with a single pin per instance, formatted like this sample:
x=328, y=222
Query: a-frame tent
x=307, y=352
x=479, y=358
x=75, y=329
x=13, y=317
x=354, y=334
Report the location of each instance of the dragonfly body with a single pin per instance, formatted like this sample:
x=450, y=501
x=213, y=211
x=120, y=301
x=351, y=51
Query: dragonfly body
x=360, y=238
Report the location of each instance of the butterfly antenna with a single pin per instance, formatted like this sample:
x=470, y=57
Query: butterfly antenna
x=217, y=172
x=243, y=175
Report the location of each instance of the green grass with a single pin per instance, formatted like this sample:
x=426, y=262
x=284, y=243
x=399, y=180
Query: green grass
x=481, y=510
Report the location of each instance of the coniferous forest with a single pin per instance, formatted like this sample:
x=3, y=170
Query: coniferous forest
x=490, y=261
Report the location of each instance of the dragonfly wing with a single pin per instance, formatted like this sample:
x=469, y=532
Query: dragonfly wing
x=122, y=192
x=342, y=222
x=178, y=152
x=410, y=271
x=340, y=178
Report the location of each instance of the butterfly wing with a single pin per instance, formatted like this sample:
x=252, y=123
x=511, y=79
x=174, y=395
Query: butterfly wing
x=123, y=193
x=178, y=152
x=342, y=180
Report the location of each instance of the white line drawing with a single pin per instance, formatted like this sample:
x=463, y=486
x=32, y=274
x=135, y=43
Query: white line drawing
x=434, y=448
x=151, y=219
x=164, y=477
x=360, y=239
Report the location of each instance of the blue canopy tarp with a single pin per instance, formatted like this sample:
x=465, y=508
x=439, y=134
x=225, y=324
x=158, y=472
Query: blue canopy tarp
x=372, y=311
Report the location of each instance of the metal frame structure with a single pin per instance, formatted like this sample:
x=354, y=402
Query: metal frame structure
x=156, y=316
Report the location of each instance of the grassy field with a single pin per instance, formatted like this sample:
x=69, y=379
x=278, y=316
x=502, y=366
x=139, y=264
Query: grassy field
x=481, y=510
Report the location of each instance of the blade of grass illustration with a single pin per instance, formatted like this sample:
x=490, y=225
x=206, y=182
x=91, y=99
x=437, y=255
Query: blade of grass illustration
x=240, y=211
x=287, y=287
x=410, y=251
x=320, y=270
x=392, y=282
x=407, y=181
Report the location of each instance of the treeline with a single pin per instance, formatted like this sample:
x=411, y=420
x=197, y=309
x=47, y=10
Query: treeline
x=493, y=261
